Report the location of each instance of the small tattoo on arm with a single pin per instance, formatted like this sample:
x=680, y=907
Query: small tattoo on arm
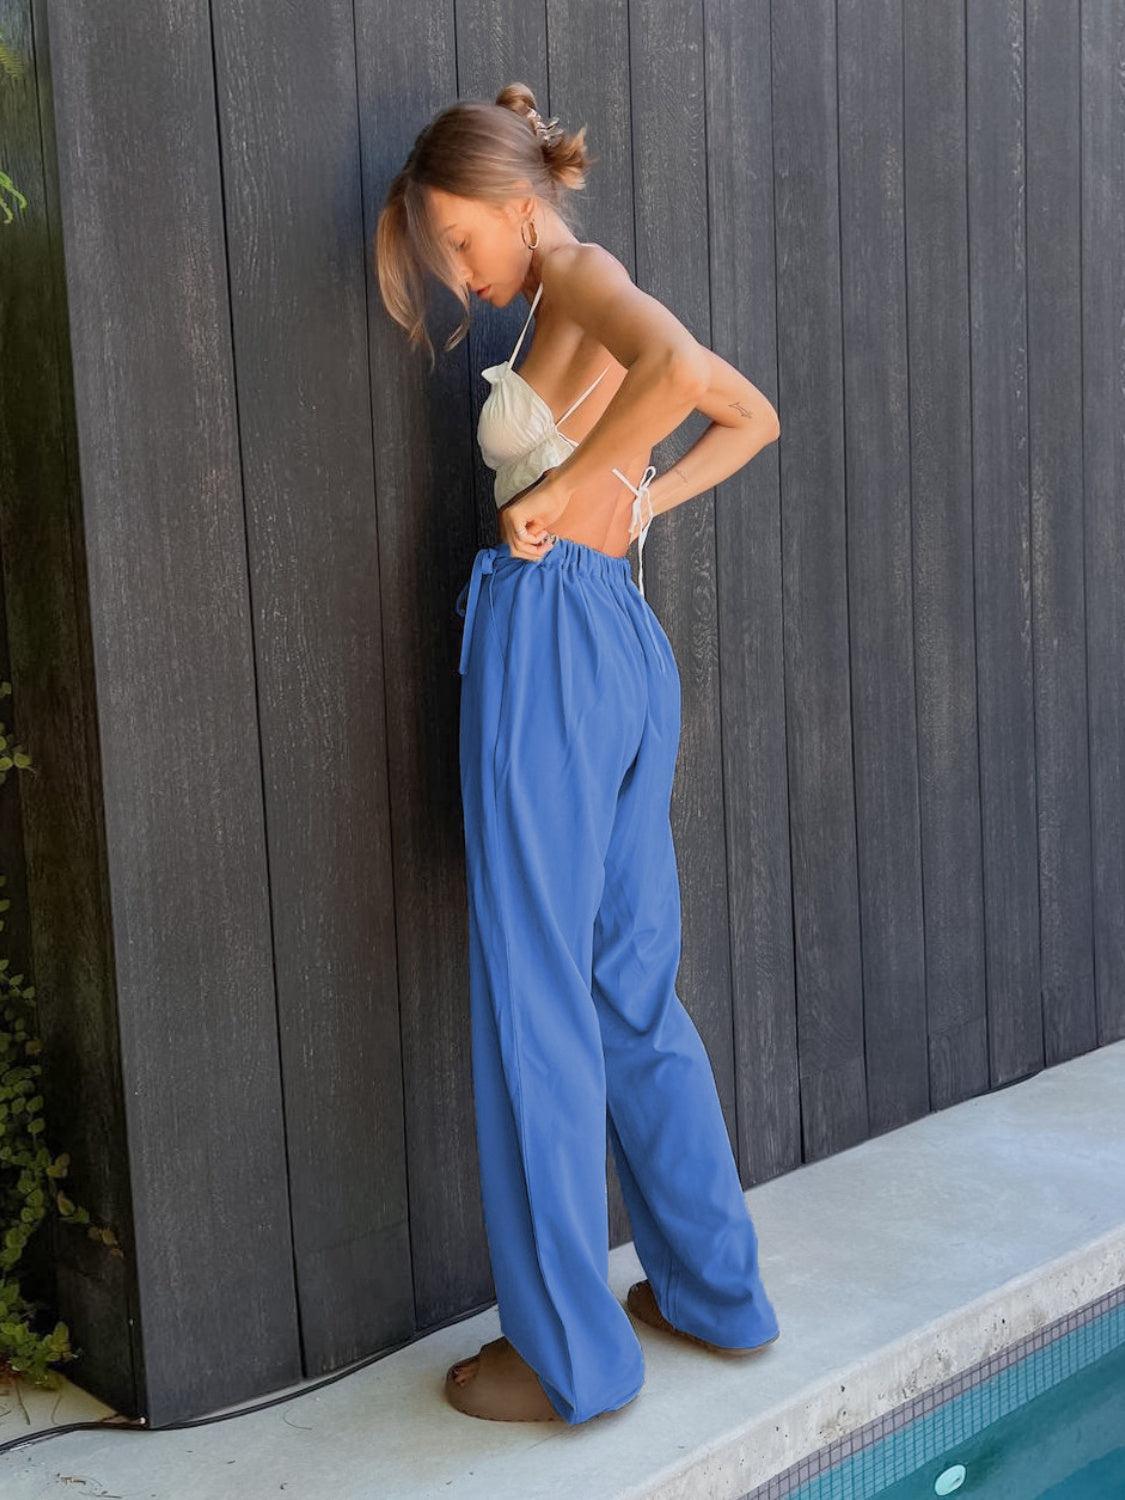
x=675, y=469
x=738, y=406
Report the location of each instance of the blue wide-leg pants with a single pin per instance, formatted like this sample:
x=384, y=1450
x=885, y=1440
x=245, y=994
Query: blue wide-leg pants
x=569, y=730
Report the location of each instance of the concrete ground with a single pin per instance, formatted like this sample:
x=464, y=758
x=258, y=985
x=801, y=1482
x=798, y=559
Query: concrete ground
x=891, y=1265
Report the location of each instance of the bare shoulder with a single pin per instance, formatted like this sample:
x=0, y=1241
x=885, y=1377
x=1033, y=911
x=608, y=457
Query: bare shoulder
x=585, y=267
x=592, y=286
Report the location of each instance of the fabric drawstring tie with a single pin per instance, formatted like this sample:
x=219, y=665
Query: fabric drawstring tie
x=642, y=503
x=467, y=600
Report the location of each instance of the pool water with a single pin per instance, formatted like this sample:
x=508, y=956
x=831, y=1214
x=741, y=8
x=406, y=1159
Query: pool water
x=1049, y=1426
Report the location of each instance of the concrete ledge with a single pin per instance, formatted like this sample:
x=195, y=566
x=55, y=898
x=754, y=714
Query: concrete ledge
x=892, y=1266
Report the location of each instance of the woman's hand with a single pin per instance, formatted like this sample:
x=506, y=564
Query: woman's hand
x=525, y=523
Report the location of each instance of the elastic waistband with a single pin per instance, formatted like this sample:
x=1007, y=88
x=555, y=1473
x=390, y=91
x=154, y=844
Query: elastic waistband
x=573, y=556
x=576, y=557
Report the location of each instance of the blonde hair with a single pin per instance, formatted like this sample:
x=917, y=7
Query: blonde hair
x=471, y=149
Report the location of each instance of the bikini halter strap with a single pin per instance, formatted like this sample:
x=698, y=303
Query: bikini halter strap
x=527, y=322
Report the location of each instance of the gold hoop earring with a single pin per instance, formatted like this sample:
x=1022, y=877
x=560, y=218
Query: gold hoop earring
x=523, y=236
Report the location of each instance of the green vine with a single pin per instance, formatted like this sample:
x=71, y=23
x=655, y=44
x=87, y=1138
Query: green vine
x=16, y=68
x=29, y=1175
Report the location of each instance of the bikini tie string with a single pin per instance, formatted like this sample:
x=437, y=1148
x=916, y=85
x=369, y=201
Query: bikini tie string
x=467, y=600
x=642, y=503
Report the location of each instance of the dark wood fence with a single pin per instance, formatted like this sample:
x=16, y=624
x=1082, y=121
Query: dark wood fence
x=237, y=514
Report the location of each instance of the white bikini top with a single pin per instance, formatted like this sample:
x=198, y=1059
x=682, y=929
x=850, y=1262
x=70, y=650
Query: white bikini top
x=520, y=439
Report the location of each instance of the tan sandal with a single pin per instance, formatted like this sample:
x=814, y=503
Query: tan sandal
x=641, y=1302
x=499, y=1385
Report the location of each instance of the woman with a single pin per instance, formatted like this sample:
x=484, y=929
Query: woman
x=569, y=728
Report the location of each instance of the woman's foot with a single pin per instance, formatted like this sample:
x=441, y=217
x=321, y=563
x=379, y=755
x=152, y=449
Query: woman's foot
x=500, y=1385
x=641, y=1302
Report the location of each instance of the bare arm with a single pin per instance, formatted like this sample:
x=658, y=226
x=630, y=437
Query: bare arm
x=743, y=422
x=669, y=375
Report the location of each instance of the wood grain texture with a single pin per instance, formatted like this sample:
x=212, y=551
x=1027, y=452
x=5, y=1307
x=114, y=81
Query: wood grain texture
x=818, y=688
x=880, y=582
x=1103, y=448
x=1058, y=592
x=237, y=511
x=941, y=483
x=748, y=522
x=172, y=621
x=994, y=47
x=294, y=214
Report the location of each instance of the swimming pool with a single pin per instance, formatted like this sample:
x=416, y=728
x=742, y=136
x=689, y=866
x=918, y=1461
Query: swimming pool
x=1042, y=1418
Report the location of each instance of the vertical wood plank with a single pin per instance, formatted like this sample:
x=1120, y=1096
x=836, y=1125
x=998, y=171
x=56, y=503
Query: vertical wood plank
x=1103, y=442
x=942, y=528
x=880, y=560
x=818, y=694
x=1001, y=533
x=1058, y=596
x=294, y=230
x=177, y=720
x=751, y=662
